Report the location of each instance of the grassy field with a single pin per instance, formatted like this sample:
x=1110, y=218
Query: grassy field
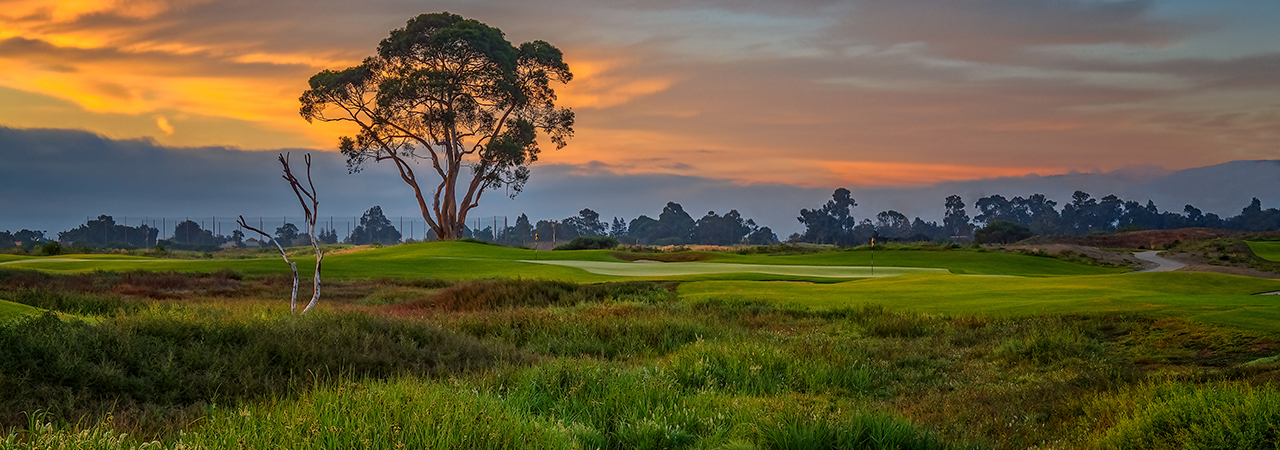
x=1268, y=250
x=680, y=269
x=10, y=310
x=543, y=364
x=460, y=260
x=1213, y=298
x=456, y=345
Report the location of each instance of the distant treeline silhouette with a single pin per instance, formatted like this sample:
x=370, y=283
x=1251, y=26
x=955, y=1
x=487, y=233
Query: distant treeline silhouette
x=1002, y=219
x=997, y=219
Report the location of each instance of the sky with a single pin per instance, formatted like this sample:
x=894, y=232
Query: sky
x=782, y=97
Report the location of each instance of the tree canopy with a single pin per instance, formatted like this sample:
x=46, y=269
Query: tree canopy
x=453, y=92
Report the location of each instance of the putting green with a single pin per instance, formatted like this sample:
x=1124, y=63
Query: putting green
x=674, y=269
x=1268, y=250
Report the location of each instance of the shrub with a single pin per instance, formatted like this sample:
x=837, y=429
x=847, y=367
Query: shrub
x=51, y=248
x=1001, y=232
x=590, y=243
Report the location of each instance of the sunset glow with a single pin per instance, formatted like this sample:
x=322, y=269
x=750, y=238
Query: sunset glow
x=828, y=94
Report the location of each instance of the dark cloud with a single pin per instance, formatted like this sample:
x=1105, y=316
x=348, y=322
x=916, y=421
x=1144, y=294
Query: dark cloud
x=54, y=179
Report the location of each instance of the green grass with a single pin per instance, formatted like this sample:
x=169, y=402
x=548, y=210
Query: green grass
x=544, y=364
x=1181, y=416
x=958, y=261
x=10, y=310
x=680, y=269
x=461, y=260
x=1208, y=297
x=1268, y=250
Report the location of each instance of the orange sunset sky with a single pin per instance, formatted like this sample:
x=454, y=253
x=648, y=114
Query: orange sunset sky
x=808, y=92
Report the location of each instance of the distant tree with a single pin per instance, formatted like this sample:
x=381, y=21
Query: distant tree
x=549, y=231
x=893, y=225
x=1194, y=217
x=484, y=235
x=1139, y=217
x=1254, y=218
x=618, y=230
x=105, y=232
x=996, y=207
x=925, y=231
x=456, y=90
x=188, y=233
x=955, y=221
x=674, y=225
x=25, y=239
x=1001, y=232
x=586, y=223
x=237, y=236
x=833, y=223
x=713, y=229
x=643, y=229
x=1042, y=213
x=287, y=233
x=374, y=227
x=522, y=233
x=762, y=236
x=1080, y=216
x=1109, y=210
x=329, y=236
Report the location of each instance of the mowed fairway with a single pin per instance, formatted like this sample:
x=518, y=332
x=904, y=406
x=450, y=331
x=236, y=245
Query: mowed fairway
x=1207, y=297
x=1268, y=250
x=677, y=269
x=461, y=260
x=957, y=282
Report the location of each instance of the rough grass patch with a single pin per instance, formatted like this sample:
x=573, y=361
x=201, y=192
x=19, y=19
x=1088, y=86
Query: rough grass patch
x=1185, y=416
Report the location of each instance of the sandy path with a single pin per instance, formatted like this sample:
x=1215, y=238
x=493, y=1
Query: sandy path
x=1162, y=264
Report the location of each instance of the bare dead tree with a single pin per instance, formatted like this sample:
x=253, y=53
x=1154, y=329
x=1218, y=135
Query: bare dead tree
x=293, y=299
x=306, y=196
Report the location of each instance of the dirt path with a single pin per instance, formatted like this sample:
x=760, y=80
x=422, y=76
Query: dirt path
x=1162, y=264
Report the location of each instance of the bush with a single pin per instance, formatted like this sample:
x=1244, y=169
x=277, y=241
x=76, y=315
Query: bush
x=1001, y=232
x=590, y=243
x=51, y=248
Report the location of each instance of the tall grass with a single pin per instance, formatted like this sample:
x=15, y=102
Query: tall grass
x=171, y=360
x=1184, y=416
x=555, y=365
x=613, y=331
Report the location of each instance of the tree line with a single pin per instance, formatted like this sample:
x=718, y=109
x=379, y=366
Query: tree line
x=1000, y=219
x=673, y=226
x=996, y=219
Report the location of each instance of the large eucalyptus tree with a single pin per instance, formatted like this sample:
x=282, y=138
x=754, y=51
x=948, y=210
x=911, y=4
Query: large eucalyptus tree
x=451, y=92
